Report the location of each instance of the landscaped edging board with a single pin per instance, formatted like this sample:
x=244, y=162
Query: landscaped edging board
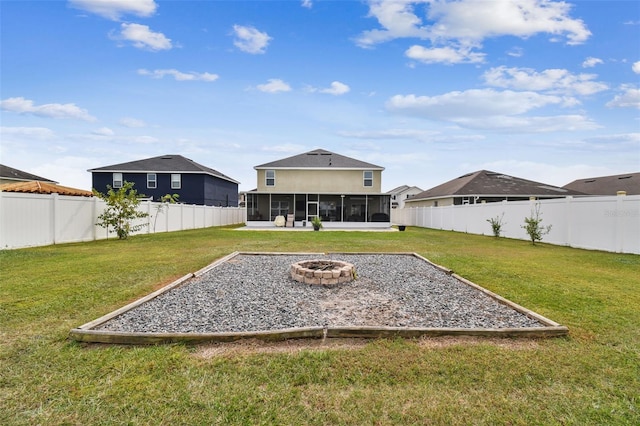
x=88, y=332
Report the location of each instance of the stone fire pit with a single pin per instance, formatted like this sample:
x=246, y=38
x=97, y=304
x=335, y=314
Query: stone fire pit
x=327, y=273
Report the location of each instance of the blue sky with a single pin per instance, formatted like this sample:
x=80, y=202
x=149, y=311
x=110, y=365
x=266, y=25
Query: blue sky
x=430, y=90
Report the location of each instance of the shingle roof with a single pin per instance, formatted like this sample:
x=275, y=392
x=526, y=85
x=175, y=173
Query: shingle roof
x=163, y=163
x=607, y=185
x=7, y=172
x=319, y=159
x=488, y=183
x=39, y=187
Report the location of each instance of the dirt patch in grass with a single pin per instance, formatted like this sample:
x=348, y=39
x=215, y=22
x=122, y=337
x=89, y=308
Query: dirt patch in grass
x=255, y=346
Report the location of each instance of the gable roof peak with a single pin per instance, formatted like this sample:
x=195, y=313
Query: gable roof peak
x=319, y=159
x=164, y=163
x=489, y=183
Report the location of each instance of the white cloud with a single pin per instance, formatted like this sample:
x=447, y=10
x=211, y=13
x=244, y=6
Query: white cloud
x=516, y=52
x=397, y=19
x=605, y=141
x=114, y=9
x=307, y=3
x=274, y=86
x=142, y=37
x=336, y=88
x=454, y=28
x=179, y=75
x=28, y=132
x=591, y=62
x=476, y=103
x=528, y=124
x=636, y=67
x=103, y=131
x=477, y=20
x=132, y=122
x=555, y=81
x=250, y=40
x=21, y=105
x=446, y=55
x=489, y=109
x=629, y=98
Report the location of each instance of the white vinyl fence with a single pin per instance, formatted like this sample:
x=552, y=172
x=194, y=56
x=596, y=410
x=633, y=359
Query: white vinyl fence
x=29, y=220
x=598, y=223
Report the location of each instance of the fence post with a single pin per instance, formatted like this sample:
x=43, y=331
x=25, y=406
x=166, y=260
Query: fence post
x=54, y=214
x=149, y=217
x=617, y=217
x=568, y=207
x=182, y=217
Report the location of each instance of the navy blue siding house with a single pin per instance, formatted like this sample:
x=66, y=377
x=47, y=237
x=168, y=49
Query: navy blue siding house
x=170, y=174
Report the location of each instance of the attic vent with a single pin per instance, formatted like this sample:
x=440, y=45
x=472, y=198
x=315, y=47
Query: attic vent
x=464, y=176
x=167, y=157
x=325, y=153
x=624, y=177
x=589, y=181
x=504, y=177
x=312, y=153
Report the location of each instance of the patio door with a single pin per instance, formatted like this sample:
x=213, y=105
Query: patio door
x=312, y=210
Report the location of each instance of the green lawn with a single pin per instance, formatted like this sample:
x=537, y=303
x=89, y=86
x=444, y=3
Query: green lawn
x=591, y=377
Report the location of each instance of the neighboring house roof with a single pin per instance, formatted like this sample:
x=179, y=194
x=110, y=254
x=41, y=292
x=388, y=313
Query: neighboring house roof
x=488, y=183
x=607, y=185
x=319, y=159
x=402, y=188
x=9, y=173
x=163, y=163
x=39, y=187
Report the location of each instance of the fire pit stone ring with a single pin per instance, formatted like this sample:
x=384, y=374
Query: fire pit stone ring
x=323, y=272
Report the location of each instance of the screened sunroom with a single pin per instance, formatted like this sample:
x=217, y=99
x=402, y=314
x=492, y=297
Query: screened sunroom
x=335, y=210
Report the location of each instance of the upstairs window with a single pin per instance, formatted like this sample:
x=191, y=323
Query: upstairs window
x=117, y=180
x=152, y=181
x=176, y=181
x=270, y=177
x=368, y=178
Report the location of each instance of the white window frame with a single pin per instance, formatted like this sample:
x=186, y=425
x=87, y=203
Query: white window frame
x=366, y=179
x=152, y=180
x=176, y=181
x=117, y=180
x=271, y=178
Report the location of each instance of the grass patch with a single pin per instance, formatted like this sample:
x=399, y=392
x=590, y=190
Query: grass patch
x=590, y=377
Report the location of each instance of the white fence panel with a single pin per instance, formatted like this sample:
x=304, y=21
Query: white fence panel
x=26, y=218
x=597, y=223
x=73, y=219
x=29, y=220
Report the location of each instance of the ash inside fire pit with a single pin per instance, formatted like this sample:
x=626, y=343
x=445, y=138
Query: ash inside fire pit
x=327, y=273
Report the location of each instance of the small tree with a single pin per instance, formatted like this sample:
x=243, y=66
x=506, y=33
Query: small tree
x=122, y=208
x=533, y=225
x=496, y=224
x=165, y=200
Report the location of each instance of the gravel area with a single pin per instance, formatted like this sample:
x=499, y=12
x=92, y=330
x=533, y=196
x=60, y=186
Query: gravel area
x=256, y=293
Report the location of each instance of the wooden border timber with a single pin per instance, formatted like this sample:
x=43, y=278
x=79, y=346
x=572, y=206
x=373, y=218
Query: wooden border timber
x=88, y=333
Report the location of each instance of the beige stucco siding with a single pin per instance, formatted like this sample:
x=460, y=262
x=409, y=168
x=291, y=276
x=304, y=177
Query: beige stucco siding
x=320, y=181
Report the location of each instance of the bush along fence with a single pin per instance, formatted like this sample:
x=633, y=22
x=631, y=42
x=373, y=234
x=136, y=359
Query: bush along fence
x=610, y=223
x=30, y=220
